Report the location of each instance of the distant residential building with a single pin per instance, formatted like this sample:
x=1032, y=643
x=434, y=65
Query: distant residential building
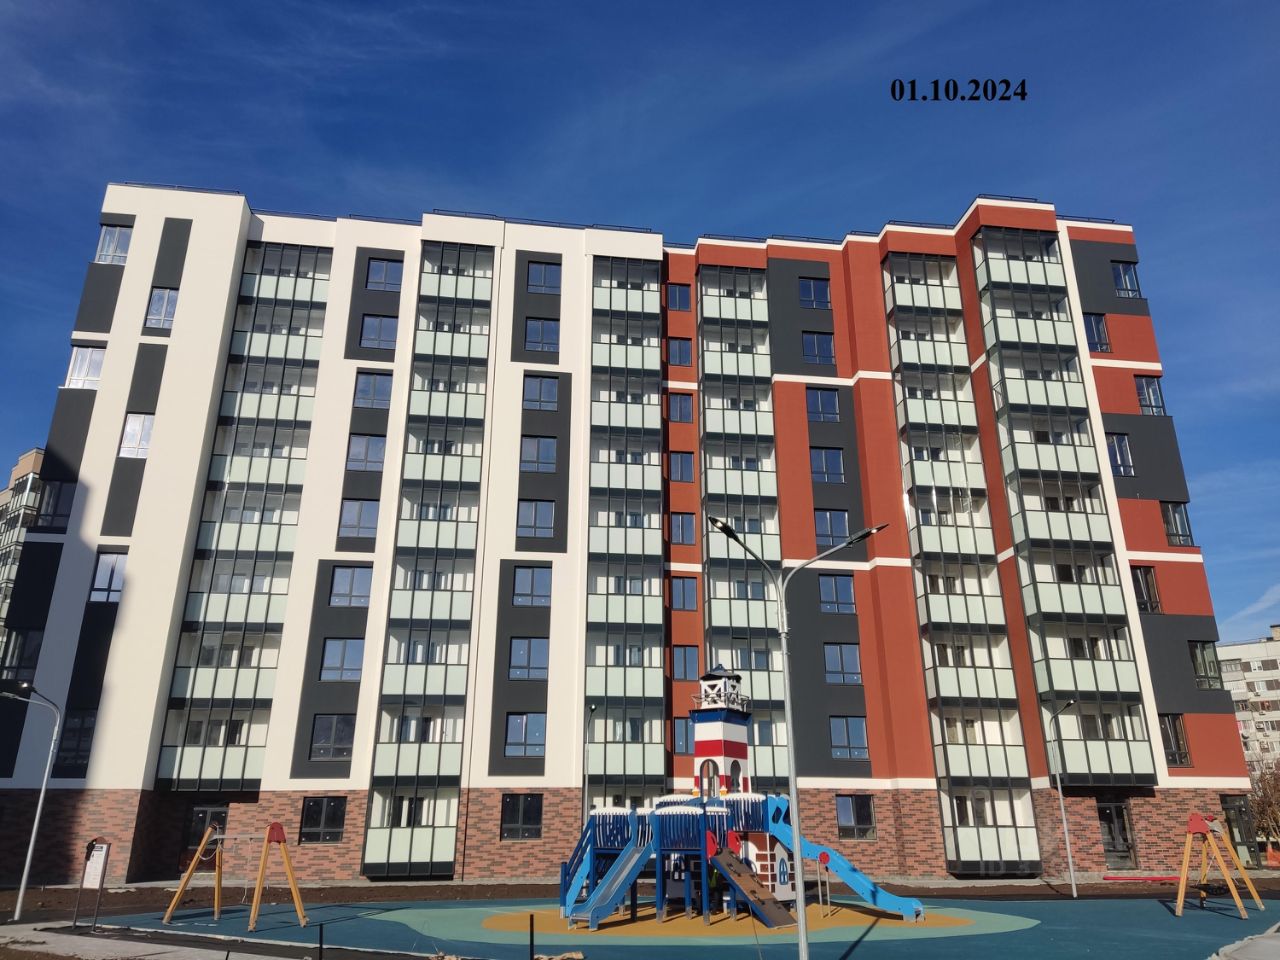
x=19, y=504
x=1251, y=671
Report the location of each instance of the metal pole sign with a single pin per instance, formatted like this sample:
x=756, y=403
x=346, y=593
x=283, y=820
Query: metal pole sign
x=94, y=877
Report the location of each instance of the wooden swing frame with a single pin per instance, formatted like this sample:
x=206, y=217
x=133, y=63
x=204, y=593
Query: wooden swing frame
x=1204, y=828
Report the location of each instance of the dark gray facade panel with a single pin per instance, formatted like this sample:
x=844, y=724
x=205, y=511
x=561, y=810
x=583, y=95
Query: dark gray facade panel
x=515, y=696
x=1173, y=675
x=148, y=372
x=847, y=495
x=33, y=586
x=116, y=219
x=1097, y=285
x=92, y=651
x=1157, y=462
x=13, y=720
x=174, y=238
x=550, y=486
x=370, y=420
x=68, y=431
x=355, y=544
x=99, y=297
x=122, y=497
x=379, y=303
x=327, y=696
x=788, y=321
x=542, y=306
x=361, y=485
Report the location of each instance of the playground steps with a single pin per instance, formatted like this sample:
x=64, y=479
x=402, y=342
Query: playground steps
x=763, y=903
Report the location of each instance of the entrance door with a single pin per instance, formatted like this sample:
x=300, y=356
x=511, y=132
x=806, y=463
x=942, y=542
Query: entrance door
x=1117, y=834
x=1240, y=829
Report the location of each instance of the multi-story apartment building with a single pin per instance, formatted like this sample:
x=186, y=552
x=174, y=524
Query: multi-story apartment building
x=1251, y=672
x=20, y=504
x=397, y=532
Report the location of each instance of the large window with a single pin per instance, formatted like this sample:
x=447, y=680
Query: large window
x=542, y=336
x=815, y=293
x=85, y=369
x=366, y=453
x=75, y=743
x=1174, y=738
x=827, y=464
x=1120, y=455
x=538, y=454
x=1150, y=396
x=835, y=593
x=113, y=244
x=681, y=467
x=350, y=586
x=532, y=587
x=831, y=526
x=680, y=352
x=529, y=658
x=56, y=498
x=1177, y=525
x=384, y=275
x=1204, y=658
x=544, y=277
x=843, y=663
x=521, y=816
x=682, y=528
x=684, y=593
x=332, y=735
x=108, y=578
x=855, y=817
x=526, y=735
x=135, y=440
x=373, y=390
x=818, y=347
x=678, y=296
x=1126, y=278
x=535, y=518
x=685, y=662
x=680, y=407
x=1144, y=585
x=359, y=518
x=1095, y=332
x=682, y=730
x=343, y=659
x=323, y=819
x=164, y=302
x=377, y=332
x=823, y=404
x=849, y=738
x=541, y=393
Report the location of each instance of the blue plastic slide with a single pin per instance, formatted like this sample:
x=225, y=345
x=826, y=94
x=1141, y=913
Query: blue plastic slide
x=909, y=908
x=613, y=886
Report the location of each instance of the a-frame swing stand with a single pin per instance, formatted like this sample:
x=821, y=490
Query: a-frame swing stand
x=274, y=834
x=1204, y=828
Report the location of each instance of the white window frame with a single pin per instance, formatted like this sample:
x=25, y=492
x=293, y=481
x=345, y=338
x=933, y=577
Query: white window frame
x=85, y=369
x=135, y=439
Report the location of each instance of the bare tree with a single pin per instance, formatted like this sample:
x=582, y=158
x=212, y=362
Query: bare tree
x=1264, y=800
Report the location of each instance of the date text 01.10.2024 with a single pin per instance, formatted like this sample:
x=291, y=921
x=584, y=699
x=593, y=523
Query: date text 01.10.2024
x=970, y=90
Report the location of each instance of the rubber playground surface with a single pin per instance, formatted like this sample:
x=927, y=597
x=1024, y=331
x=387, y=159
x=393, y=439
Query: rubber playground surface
x=954, y=929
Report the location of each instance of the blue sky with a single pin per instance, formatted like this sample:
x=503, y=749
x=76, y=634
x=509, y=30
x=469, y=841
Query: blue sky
x=746, y=118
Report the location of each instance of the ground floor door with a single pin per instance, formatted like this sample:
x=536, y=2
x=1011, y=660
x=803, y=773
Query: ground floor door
x=1241, y=833
x=1117, y=834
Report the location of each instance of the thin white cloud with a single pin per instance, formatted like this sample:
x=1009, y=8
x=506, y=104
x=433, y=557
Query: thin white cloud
x=1243, y=623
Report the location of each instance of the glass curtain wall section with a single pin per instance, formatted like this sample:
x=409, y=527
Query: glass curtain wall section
x=740, y=484
x=984, y=786
x=224, y=672
x=626, y=753
x=1076, y=619
x=417, y=760
x=18, y=511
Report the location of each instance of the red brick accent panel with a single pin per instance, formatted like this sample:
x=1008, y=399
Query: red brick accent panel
x=908, y=840
x=71, y=818
x=1086, y=836
x=482, y=854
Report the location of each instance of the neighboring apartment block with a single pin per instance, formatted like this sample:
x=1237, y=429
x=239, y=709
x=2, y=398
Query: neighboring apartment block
x=1251, y=671
x=21, y=505
x=397, y=532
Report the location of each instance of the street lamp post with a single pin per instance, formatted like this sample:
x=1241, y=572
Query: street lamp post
x=586, y=738
x=780, y=590
x=1062, y=804
x=44, y=785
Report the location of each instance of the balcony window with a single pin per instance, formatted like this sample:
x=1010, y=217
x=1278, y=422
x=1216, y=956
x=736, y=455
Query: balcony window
x=538, y=454
x=542, y=335
x=826, y=464
x=526, y=735
x=684, y=593
x=835, y=593
x=855, y=817
x=366, y=453
x=135, y=441
x=1144, y=586
x=373, y=390
x=541, y=393
x=823, y=404
x=164, y=302
x=384, y=275
x=818, y=348
x=544, y=277
x=350, y=586
x=531, y=587
x=85, y=369
x=685, y=663
x=815, y=293
x=113, y=244
x=680, y=351
x=682, y=528
x=681, y=467
x=108, y=578
x=332, y=736
x=536, y=518
x=1120, y=455
x=1177, y=525
x=831, y=527
x=1204, y=658
x=378, y=333
x=1126, y=278
x=1095, y=332
x=680, y=407
x=343, y=659
x=1173, y=736
x=849, y=738
x=678, y=296
x=529, y=658
x=359, y=518
x=1150, y=396
x=843, y=663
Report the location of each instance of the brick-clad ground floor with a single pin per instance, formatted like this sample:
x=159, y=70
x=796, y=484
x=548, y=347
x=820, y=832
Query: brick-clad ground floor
x=150, y=832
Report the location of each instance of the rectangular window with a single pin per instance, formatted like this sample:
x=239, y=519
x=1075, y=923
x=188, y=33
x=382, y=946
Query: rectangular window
x=56, y=497
x=521, y=816
x=1204, y=658
x=849, y=738
x=679, y=351
x=384, y=275
x=113, y=244
x=322, y=819
x=682, y=729
x=161, y=308
x=535, y=518
x=855, y=817
x=818, y=348
x=366, y=453
x=532, y=587
x=1144, y=585
x=843, y=663
x=680, y=407
x=1126, y=278
x=835, y=593
x=831, y=526
x=1174, y=738
x=544, y=277
x=542, y=336
x=1177, y=525
x=85, y=369
x=108, y=578
x=359, y=518
x=1150, y=396
x=135, y=441
x=343, y=658
x=373, y=390
x=815, y=293
x=682, y=528
x=678, y=296
x=377, y=332
x=681, y=467
x=526, y=735
x=1095, y=332
x=685, y=661
x=541, y=393
x=1120, y=455
x=332, y=735
x=529, y=658
x=826, y=464
x=350, y=586
x=75, y=743
x=538, y=454
x=823, y=404
x=684, y=593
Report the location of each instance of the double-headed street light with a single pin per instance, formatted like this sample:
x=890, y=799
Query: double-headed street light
x=14, y=690
x=1059, y=759
x=780, y=591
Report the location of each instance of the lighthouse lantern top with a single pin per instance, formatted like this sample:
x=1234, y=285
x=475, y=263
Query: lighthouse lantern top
x=721, y=688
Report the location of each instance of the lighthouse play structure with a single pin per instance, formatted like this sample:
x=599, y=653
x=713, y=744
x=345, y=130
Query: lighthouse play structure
x=722, y=829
